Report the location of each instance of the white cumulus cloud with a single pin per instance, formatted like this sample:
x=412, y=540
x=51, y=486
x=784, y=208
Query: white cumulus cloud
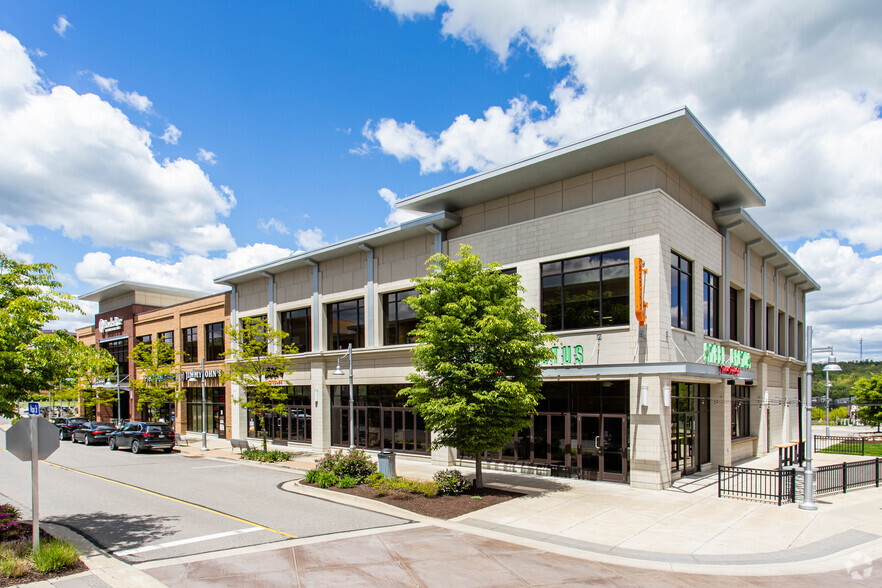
x=67, y=159
x=208, y=157
x=273, y=224
x=61, y=25
x=171, y=135
x=308, y=239
x=396, y=216
x=11, y=238
x=111, y=87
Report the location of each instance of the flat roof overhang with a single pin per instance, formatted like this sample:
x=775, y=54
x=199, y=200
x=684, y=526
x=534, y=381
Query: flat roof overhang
x=677, y=137
x=684, y=369
x=432, y=223
x=120, y=288
x=739, y=223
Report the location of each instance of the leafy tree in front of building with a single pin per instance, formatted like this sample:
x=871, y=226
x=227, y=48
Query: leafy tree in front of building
x=868, y=396
x=30, y=296
x=477, y=378
x=92, y=369
x=254, y=366
x=155, y=381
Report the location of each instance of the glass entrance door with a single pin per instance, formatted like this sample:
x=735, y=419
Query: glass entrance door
x=600, y=448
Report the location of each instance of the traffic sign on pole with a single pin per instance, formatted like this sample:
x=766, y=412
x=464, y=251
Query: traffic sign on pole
x=31, y=440
x=34, y=408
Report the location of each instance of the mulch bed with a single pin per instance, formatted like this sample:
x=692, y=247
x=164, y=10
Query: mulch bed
x=439, y=507
x=34, y=575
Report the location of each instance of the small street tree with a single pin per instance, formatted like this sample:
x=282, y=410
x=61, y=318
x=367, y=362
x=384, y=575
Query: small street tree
x=254, y=363
x=30, y=296
x=156, y=383
x=91, y=365
x=477, y=378
x=868, y=396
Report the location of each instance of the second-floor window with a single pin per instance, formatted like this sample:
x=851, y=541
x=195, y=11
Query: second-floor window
x=399, y=319
x=120, y=351
x=586, y=292
x=711, y=304
x=190, y=344
x=167, y=337
x=214, y=341
x=346, y=324
x=298, y=326
x=733, y=314
x=681, y=292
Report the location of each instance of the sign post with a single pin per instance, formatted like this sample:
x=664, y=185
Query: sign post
x=31, y=440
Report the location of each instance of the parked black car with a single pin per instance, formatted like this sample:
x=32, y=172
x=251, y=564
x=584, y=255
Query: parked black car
x=141, y=436
x=91, y=433
x=66, y=426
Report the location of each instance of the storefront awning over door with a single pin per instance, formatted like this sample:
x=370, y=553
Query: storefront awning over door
x=684, y=369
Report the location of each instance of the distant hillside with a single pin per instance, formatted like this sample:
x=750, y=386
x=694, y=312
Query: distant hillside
x=842, y=382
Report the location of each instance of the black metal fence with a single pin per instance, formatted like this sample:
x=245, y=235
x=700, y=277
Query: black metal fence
x=842, y=477
x=777, y=486
x=841, y=445
x=790, y=454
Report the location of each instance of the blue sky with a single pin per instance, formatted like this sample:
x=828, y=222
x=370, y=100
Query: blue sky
x=176, y=141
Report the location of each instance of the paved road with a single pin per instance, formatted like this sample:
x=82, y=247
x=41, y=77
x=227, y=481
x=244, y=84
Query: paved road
x=155, y=505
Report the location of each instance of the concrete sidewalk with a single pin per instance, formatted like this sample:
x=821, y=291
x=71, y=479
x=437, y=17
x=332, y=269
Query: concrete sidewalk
x=561, y=531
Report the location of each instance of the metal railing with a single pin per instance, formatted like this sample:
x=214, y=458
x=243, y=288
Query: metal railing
x=840, y=478
x=777, y=486
x=790, y=454
x=841, y=445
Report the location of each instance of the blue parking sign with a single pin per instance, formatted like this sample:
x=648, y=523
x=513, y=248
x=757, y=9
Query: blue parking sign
x=34, y=408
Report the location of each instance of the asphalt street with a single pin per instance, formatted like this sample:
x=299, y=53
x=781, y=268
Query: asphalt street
x=155, y=505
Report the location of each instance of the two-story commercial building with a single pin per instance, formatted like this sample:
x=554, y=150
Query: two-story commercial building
x=655, y=212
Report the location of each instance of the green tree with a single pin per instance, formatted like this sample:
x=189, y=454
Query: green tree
x=868, y=396
x=818, y=413
x=30, y=296
x=838, y=414
x=93, y=367
x=477, y=378
x=253, y=363
x=156, y=382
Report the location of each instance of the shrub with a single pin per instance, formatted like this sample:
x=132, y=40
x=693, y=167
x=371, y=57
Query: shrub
x=11, y=528
x=325, y=479
x=347, y=482
x=451, y=482
x=383, y=486
x=270, y=455
x=354, y=463
x=13, y=566
x=55, y=554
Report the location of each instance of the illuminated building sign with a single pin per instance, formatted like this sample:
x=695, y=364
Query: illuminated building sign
x=566, y=355
x=714, y=353
x=111, y=324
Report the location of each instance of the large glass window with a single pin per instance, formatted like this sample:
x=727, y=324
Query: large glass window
x=586, y=292
x=346, y=324
x=214, y=341
x=381, y=420
x=733, y=314
x=144, y=339
x=215, y=407
x=740, y=411
x=711, y=304
x=690, y=426
x=399, y=319
x=298, y=326
x=292, y=424
x=119, y=349
x=681, y=292
x=190, y=341
x=167, y=337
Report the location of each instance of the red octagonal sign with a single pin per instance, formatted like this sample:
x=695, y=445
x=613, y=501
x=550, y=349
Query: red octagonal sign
x=18, y=438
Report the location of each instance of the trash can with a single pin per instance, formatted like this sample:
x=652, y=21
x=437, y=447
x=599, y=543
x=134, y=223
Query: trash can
x=386, y=460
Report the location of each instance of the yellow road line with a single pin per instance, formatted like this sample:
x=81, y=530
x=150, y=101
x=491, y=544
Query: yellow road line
x=179, y=501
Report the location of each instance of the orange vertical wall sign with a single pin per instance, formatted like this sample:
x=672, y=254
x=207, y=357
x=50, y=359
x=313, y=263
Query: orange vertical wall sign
x=639, y=291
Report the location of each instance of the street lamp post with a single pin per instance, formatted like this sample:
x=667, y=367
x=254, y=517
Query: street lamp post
x=339, y=372
x=118, y=396
x=831, y=366
x=808, y=474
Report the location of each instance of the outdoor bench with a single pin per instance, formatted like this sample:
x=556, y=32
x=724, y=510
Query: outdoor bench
x=240, y=444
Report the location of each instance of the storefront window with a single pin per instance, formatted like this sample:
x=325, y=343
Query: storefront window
x=346, y=324
x=740, y=411
x=381, y=419
x=681, y=292
x=399, y=319
x=215, y=410
x=298, y=326
x=119, y=349
x=292, y=423
x=586, y=292
x=690, y=426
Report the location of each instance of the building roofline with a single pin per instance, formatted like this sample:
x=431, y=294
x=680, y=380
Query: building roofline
x=439, y=221
x=124, y=287
x=677, y=137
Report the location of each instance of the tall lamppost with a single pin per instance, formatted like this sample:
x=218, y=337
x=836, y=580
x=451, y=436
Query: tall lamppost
x=831, y=366
x=339, y=372
x=204, y=424
x=808, y=474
